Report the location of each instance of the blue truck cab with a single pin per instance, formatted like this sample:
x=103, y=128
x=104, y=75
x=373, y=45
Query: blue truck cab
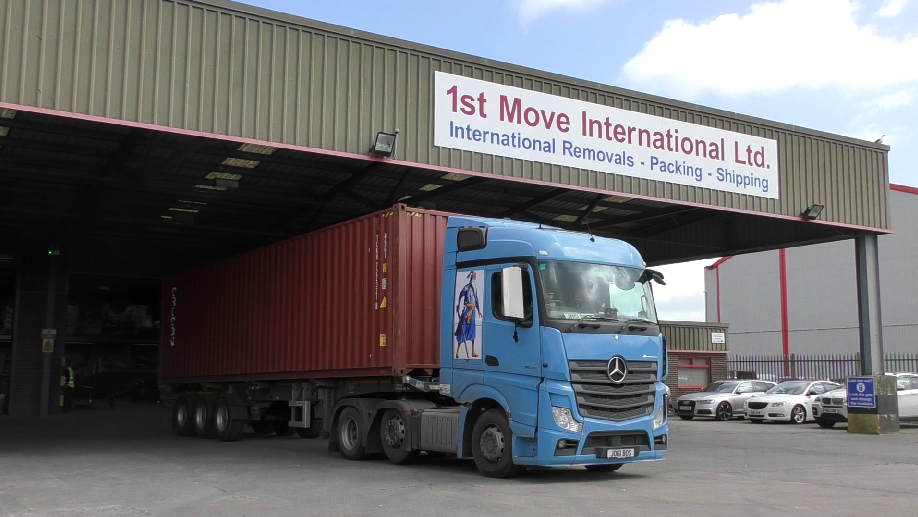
x=551, y=348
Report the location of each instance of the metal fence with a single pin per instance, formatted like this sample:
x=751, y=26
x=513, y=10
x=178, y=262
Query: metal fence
x=834, y=367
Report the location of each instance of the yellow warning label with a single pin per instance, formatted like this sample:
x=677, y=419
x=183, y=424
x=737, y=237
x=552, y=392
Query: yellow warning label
x=382, y=340
x=382, y=304
x=385, y=267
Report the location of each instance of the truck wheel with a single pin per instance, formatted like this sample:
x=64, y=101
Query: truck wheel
x=262, y=427
x=350, y=435
x=492, y=445
x=825, y=423
x=392, y=433
x=282, y=428
x=181, y=416
x=313, y=431
x=228, y=430
x=203, y=418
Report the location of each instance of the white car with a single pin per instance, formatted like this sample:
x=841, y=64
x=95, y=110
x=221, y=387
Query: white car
x=789, y=401
x=834, y=404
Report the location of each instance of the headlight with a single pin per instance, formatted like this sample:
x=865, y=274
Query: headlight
x=660, y=418
x=777, y=404
x=706, y=401
x=565, y=419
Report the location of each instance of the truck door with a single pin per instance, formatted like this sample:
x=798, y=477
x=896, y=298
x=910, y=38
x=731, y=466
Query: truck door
x=513, y=351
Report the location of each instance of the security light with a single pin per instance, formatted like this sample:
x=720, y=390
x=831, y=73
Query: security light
x=384, y=146
x=812, y=212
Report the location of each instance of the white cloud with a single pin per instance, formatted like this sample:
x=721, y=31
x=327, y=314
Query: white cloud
x=892, y=8
x=776, y=46
x=532, y=9
x=682, y=298
x=893, y=100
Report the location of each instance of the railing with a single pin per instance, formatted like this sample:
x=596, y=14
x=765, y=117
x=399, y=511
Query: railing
x=834, y=366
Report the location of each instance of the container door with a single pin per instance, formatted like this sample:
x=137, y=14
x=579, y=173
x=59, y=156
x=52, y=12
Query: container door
x=512, y=352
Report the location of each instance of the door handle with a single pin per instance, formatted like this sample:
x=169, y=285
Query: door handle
x=490, y=360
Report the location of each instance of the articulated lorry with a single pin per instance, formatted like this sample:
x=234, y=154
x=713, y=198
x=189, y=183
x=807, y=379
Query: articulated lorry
x=410, y=331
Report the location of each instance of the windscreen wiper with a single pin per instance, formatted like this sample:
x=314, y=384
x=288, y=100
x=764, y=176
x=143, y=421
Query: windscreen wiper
x=592, y=317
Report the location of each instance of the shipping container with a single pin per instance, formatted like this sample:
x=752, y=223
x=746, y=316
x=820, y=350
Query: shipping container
x=359, y=299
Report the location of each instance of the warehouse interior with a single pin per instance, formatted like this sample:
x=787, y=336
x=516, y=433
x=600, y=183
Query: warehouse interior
x=94, y=214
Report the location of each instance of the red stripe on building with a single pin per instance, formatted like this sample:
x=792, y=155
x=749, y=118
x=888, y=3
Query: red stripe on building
x=782, y=273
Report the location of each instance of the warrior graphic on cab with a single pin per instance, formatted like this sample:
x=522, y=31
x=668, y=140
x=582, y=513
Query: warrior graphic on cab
x=467, y=305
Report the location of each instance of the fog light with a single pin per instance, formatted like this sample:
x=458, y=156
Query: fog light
x=565, y=419
x=562, y=444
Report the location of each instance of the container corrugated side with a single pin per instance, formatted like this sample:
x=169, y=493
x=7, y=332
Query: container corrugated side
x=358, y=299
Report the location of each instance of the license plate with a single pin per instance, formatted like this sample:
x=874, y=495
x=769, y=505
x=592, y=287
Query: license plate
x=757, y=413
x=829, y=410
x=620, y=453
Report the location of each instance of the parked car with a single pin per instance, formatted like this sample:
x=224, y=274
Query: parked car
x=834, y=404
x=789, y=401
x=721, y=400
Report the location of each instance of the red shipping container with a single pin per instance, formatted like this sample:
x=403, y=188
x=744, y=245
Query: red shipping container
x=358, y=299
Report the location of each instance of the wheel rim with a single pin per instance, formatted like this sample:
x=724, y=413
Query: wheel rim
x=395, y=432
x=799, y=415
x=222, y=418
x=181, y=415
x=724, y=412
x=200, y=417
x=350, y=434
x=492, y=444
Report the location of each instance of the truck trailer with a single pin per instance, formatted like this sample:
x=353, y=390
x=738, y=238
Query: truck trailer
x=412, y=331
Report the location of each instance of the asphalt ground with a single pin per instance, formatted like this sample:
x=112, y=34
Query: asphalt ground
x=128, y=461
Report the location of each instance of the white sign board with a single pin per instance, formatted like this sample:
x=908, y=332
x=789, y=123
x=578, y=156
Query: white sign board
x=489, y=118
x=718, y=337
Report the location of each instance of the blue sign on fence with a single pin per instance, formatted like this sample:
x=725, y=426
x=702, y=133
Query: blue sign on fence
x=862, y=392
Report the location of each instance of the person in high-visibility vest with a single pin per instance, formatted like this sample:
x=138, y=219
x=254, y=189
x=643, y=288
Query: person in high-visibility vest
x=67, y=384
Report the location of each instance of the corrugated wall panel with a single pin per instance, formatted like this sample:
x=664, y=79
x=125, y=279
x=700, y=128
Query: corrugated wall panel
x=234, y=70
x=684, y=335
x=313, y=305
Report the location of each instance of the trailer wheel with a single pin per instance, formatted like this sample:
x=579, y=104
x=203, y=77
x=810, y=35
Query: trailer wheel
x=350, y=435
x=181, y=416
x=313, y=431
x=492, y=445
x=392, y=434
x=228, y=430
x=203, y=417
x=262, y=426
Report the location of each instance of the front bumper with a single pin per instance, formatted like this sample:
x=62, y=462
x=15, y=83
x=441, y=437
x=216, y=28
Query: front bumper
x=841, y=415
x=590, y=445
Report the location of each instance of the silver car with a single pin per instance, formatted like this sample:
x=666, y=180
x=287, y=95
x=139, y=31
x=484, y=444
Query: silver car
x=721, y=400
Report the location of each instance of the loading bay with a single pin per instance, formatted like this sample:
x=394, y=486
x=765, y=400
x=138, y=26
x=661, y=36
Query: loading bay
x=129, y=462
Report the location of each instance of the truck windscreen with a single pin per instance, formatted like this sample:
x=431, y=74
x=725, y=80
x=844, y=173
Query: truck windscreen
x=577, y=290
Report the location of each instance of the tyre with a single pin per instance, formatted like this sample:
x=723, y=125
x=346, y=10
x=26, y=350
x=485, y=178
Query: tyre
x=350, y=435
x=723, y=412
x=282, y=428
x=227, y=429
x=798, y=415
x=392, y=433
x=604, y=468
x=686, y=417
x=755, y=420
x=181, y=416
x=262, y=426
x=313, y=431
x=203, y=418
x=825, y=423
x=492, y=445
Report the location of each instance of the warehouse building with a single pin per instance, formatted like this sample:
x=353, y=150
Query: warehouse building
x=142, y=138
x=801, y=300
x=696, y=354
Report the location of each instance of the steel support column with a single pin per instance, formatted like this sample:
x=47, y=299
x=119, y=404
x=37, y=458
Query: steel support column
x=867, y=265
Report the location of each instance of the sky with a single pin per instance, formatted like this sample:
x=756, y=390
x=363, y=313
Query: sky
x=840, y=66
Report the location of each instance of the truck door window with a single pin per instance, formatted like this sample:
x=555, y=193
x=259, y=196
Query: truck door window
x=497, y=298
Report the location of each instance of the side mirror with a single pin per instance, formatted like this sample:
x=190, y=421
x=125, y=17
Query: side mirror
x=511, y=279
x=654, y=275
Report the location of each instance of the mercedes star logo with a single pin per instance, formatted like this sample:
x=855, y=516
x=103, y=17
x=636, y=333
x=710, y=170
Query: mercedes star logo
x=617, y=369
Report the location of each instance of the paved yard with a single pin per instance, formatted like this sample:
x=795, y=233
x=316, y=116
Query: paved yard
x=129, y=462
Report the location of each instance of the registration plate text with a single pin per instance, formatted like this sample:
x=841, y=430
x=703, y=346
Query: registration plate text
x=757, y=413
x=830, y=410
x=620, y=453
